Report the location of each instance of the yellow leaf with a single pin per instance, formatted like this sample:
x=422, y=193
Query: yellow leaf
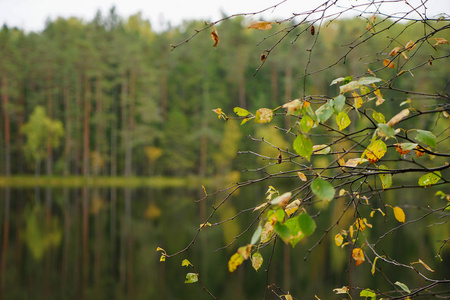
x=288, y=297
x=440, y=41
x=410, y=45
x=257, y=260
x=351, y=231
x=261, y=25
x=380, y=98
x=358, y=100
x=359, y=224
x=399, y=214
x=389, y=64
x=373, y=265
x=404, y=55
x=398, y=117
x=358, y=256
x=375, y=151
x=342, y=192
x=235, y=261
x=353, y=162
x=215, y=36
x=301, y=176
x=218, y=111
x=292, y=207
x=395, y=51
x=342, y=290
x=338, y=239
x=261, y=206
x=424, y=264
x=245, y=251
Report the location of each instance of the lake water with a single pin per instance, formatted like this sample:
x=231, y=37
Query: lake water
x=100, y=243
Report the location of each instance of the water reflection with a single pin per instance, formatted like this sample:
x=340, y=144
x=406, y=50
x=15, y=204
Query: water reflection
x=89, y=243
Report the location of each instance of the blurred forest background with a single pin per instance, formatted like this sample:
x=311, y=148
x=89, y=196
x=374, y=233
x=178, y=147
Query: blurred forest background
x=107, y=102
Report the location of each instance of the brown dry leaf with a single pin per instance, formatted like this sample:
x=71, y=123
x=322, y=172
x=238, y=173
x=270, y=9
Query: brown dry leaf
x=263, y=57
x=261, y=25
x=398, y=117
x=301, y=176
x=395, y=51
x=440, y=41
x=245, y=251
x=261, y=206
x=358, y=256
x=424, y=264
x=404, y=55
x=313, y=30
x=293, y=106
x=410, y=45
x=389, y=64
x=215, y=36
x=292, y=207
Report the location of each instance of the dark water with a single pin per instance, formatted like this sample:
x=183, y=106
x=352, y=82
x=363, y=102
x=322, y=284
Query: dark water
x=100, y=243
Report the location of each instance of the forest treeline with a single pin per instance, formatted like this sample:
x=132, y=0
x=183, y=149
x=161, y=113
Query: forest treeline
x=109, y=98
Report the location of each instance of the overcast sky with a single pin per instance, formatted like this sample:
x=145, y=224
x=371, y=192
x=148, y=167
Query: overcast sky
x=30, y=15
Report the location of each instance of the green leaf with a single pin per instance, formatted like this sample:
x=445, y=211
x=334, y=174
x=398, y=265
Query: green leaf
x=306, y=123
x=307, y=224
x=338, y=103
x=295, y=230
x=191, y=278
x=368, y=293
x=303, y=146
x=186, y=263
x=379, y=117
x=256, y=235
x=386, y=178
x=426, y=137
x=308, y=110
x=403, y=287
x=342, y=120
x=324, y=112
x=364, y=90
x=429, y=179
x=277, y=214
x=368, y=80
x=241, y=112
x=386, y=130
x=282, y=231
x=322, y=189
x=347, y=79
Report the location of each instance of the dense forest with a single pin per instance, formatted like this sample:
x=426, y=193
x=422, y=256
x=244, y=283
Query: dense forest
x=109, y=97
x=113, y=98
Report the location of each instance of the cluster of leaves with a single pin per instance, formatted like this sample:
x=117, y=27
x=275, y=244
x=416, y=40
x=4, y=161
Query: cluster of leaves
x=375, y=146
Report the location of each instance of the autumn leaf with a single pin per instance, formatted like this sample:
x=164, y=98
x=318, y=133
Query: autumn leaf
x=380, y=98
x=399, y=214
x=321, y=149
x=395, y=51
x=375, y=151
x=389, y=64
x=353, y=162
x=235, y=261
x=261, y=25
x=263, y=115
x=282, y=200
x=301, y=176
x=342, y=120
x=266, y=232
x=429, y=179
x=292, y=207
x=215, y=36
x=410, y=45
x=398, y=117
x=293, y=106
x=338, y=239
x=191, y=278
x=312, y=30
x=440, y=41
x=342, y=290
x=245, y=251
x=186, y=263
x=358, y=256
x=257, y=260
x=424, y=264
